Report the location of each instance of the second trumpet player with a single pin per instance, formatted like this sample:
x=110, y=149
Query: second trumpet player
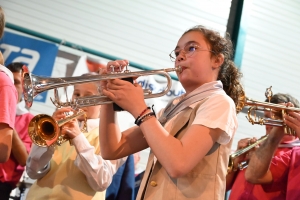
x=271, y=166
x=75, y=171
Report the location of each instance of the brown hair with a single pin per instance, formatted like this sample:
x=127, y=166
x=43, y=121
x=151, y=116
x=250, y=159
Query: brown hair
x=229, y=74
x=284, y=98
x=15, y=66
x=2, y=22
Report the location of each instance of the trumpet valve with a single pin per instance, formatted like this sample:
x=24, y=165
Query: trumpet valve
x=59, y=140
x=269, y=93
x=243, y=165
x=126, y=69
x=261, y=121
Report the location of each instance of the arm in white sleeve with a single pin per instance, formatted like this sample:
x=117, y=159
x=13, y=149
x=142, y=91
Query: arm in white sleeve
x=38, y=162
x=99, y=172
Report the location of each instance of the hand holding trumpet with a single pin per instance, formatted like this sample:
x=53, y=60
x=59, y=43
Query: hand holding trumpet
x=292, y=120
x=127, y=95
x=240, y=158
x=71, y=128
x=243, y=143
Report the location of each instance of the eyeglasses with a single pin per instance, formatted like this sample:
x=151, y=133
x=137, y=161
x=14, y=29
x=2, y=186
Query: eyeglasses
x=188, y=51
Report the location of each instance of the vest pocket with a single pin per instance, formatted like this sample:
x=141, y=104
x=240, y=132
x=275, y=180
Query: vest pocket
x=196, y=186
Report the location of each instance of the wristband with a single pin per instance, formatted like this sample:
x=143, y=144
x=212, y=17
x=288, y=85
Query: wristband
x=141, y=114
x=144, y=118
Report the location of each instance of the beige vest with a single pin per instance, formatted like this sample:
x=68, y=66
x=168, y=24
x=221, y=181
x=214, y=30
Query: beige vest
x=64, y=180
x=206, y=181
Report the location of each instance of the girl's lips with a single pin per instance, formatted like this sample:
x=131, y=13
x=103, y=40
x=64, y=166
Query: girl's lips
x=183, y=68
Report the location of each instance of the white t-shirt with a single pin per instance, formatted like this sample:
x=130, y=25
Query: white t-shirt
x=218, y=111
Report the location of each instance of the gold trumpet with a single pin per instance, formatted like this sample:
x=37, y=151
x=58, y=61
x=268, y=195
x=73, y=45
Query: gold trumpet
x=44, y=131
x=236, y=154
x=277, y=112
x=33, y=85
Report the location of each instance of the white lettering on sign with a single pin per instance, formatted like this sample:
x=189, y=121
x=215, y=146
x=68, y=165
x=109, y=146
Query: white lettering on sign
x=31, y=61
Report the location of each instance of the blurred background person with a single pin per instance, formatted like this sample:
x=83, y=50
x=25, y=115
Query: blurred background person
x=12, y=170
x=8, y=99
x=274, y=183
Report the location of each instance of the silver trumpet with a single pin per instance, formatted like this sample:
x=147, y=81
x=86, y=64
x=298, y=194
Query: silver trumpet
x=33, y=85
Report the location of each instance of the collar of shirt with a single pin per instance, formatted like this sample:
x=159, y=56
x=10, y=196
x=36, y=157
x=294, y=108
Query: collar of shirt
x=289, y=144
x=7, y=72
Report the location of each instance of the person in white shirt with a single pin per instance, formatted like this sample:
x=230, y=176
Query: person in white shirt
x=74, y=171
x=191, y=139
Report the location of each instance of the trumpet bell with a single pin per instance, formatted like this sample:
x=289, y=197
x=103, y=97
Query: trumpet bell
x=32, y=85
x=27, y=86
x=43, y=129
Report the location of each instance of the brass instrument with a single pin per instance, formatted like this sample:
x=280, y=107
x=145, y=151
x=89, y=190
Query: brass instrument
x=33, y=85
x=44, y=131
x=277, y=111
x=236, y=154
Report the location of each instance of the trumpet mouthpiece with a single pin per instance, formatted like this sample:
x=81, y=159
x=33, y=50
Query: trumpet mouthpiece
x=178, y=69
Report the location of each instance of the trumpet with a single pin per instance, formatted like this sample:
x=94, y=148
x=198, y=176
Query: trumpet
x=33, y=85
x=236, y=154
x=277, y=112
x=44, y=131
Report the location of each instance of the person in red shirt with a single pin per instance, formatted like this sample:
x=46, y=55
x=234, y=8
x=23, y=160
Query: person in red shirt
x=12, y=170
x=278, y=157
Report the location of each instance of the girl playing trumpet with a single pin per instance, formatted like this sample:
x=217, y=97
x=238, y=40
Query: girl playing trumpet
x=190, y=139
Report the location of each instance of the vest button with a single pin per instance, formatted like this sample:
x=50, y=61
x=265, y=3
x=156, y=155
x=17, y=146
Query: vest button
x=153, y=183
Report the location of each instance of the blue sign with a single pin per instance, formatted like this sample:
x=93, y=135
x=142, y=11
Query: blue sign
x=39, y=56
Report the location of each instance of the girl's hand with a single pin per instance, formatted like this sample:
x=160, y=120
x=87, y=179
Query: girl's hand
x=70, y=129
x=61, y=113
x=111, y=67
x=116, y=66
x=127, y=95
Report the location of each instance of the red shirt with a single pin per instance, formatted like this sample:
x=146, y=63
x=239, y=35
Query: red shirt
x=280, y=167
x=293, y=187
x=11, y=171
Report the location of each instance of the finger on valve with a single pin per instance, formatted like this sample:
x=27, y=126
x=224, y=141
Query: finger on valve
x=117, y=66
